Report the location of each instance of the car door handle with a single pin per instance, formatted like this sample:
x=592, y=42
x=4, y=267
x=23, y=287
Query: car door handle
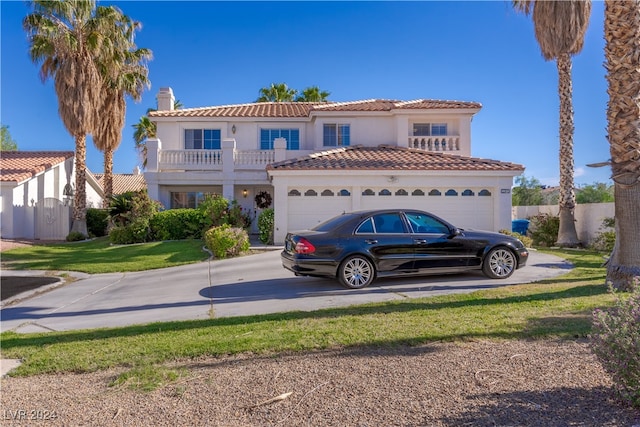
x=420, y=241
x=371, y=241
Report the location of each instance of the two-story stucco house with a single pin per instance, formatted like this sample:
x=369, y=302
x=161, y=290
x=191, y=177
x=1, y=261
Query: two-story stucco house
x=317, y=160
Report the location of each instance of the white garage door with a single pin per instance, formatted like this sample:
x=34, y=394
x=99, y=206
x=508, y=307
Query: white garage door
x=311, y=206
x=463, y=207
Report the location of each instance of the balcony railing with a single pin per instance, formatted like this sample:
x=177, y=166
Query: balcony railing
x=435, y=143
x=213, y=159
x=254, y=157
x=190, y=159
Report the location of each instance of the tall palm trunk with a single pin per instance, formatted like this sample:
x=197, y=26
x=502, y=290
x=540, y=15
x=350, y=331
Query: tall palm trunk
x=80, y=196
x=567, y=235
x=622, y=55
x=108, y=176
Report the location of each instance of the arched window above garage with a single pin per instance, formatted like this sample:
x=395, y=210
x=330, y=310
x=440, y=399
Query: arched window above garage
x=311, y=192
x=344, y=192
x=368, y=192
x=468, y=192
x=484, y=192
x=294, y=192
x=327, y=192
x=435, y=192
x=451, y=192
x=384, y=192
x=402, y=192
x=417, y=192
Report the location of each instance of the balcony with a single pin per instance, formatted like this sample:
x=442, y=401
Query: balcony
x=227, y=160
x=435, y=143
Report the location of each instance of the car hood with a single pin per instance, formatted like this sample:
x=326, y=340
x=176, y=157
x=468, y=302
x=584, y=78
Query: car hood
x=489, y=235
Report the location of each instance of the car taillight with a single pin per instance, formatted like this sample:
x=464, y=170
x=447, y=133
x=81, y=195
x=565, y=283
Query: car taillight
x=304, y=247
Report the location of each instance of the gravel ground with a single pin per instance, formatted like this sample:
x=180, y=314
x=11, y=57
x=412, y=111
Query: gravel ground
x=483, y=383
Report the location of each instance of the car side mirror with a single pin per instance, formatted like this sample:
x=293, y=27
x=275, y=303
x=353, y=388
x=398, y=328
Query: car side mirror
x=454, y=232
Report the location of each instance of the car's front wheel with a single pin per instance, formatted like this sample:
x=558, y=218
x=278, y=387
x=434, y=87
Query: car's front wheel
x=356, y=272
x=499, y=263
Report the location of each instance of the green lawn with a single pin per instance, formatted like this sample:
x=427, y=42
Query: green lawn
x=558, y=308
x=99, y=256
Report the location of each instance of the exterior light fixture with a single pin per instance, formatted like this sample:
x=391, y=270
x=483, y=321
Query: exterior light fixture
x=233, y=129
x=244, y=193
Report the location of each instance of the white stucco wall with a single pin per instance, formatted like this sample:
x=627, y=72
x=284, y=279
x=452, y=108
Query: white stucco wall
x=588, y=216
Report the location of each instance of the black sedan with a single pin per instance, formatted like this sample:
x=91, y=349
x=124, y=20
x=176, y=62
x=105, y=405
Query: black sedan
x=359, y=246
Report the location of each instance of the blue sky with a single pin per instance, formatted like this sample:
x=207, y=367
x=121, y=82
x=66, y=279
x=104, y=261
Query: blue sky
x=216, y=53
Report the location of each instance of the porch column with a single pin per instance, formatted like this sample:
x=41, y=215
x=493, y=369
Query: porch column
x=228, y=167
x=280, y=148
x=154, y=145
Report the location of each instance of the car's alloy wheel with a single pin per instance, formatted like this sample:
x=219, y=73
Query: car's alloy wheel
x=356, y=272
x=499, y=263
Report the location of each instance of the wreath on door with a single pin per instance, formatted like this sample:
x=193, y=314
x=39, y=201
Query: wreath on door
x=263, y=200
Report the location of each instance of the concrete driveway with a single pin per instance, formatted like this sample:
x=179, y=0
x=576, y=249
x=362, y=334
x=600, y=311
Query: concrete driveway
x=254, y=284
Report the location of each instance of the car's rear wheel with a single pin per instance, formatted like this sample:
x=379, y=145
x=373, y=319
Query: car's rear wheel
x=356, y=272
x=499, y=263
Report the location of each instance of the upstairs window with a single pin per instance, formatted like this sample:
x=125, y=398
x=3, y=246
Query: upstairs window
x=202, y=139
x=430, y=129
x=267, y=136
x=336, y=135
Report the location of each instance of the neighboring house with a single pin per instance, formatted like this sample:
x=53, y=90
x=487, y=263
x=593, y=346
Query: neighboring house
x=36, y=190
x=124, y=182
x=316, y=160
x=37, y=193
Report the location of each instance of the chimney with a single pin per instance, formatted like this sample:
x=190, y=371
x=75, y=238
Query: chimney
x=165, y=99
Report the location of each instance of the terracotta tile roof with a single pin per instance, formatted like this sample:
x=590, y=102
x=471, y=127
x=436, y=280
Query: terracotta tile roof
x=258, y=109
x=123, y=182
x=304, y=109
x=19, y=166
x=385, y=157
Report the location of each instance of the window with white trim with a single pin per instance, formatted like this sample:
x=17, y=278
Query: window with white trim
x=429, y=129
x=267, y=136
x=336, y=135
x=187, y=199
x=202, y=139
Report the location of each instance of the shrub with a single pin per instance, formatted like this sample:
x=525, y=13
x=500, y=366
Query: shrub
x=75, y=236
x=226, y=241
x=214, y=208
x=238, y=217
x=97, y=222
x=526, y=241
x=606, y=238
x=265, y=226
x=131, y=214
x=616, y=343
x=136, y=232
x=119, y=208
x=177, y=224
x=544, y=229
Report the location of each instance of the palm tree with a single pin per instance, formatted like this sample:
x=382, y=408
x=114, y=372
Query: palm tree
x=64, y=39
x=146, y=129
x=560, y=26
x=277, y=92
x=622, y=56
x=124, y=72
x=313, y=94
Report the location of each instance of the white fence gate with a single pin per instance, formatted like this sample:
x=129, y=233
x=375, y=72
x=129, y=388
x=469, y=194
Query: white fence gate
x=52, y=219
